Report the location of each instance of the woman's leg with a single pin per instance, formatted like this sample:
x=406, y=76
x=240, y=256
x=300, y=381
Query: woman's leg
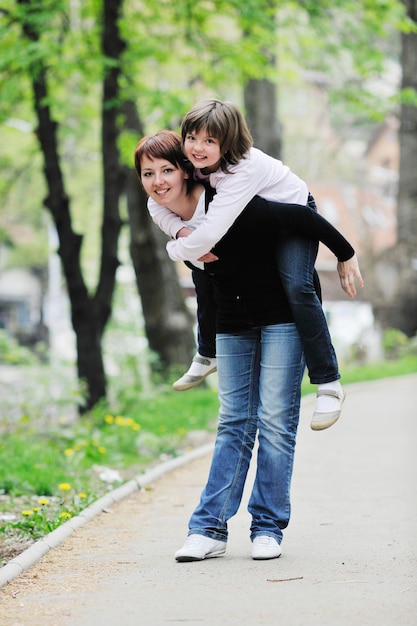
x=281, y=373
x=238, y=367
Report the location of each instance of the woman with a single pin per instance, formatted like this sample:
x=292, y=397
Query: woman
x=260, y=359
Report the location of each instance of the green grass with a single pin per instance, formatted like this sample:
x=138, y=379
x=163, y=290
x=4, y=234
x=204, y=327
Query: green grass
x=374, y=371
x=50, y=472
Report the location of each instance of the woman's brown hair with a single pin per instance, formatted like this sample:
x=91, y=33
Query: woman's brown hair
x=165, y=144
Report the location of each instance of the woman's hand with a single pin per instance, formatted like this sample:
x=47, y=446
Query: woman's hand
x=348, y=272
x=184, y=232
x=208, y=258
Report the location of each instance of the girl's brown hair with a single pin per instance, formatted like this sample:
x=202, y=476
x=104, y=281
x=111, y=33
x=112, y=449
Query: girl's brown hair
x=224, y=122
x=165, y=144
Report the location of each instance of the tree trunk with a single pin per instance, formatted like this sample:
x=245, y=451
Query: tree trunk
x=407, y=192
x=168, y=323
x=261, y=115
x=396, y=270
x=89, y=314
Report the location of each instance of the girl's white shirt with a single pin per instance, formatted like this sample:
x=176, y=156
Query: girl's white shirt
x=258, y=174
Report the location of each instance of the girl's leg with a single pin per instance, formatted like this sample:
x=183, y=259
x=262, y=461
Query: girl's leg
x=296, y=257
x=204, y=362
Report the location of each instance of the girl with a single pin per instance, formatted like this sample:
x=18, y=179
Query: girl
x=178, y=216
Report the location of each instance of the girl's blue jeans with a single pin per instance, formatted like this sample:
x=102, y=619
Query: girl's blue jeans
x=296, y=257
x=259, y=380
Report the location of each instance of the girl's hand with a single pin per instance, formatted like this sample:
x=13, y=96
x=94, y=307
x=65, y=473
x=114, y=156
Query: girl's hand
x=348, y=272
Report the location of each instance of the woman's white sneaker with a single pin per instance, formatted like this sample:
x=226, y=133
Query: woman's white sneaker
x=265, y=547
x=199, y=547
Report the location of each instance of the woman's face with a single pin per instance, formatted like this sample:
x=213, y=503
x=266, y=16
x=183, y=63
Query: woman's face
x=203, y=151
x=163, y=181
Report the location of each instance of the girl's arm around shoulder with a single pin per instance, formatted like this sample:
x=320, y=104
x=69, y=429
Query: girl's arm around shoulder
x=233, y=192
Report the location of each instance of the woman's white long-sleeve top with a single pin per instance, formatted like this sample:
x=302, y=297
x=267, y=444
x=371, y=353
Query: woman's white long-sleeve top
x=258, y=174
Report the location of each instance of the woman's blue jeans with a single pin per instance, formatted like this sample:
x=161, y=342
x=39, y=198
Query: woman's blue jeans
x=259, y=379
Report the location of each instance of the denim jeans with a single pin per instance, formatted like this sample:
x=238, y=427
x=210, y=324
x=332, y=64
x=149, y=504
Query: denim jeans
x=259, y=379
x=296, y=257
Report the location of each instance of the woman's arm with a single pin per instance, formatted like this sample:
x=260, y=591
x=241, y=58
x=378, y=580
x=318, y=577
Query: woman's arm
x=167, y=221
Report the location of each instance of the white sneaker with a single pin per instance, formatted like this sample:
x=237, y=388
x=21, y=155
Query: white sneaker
x=265, y=547
x=200, y=368
x=199, y=547
x=325, y=419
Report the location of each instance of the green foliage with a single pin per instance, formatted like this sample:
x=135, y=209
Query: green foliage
x=12, y=353
x=394, y=342
x=176, y=52
x=408, y=97
x=27, y=459
x=70, y=463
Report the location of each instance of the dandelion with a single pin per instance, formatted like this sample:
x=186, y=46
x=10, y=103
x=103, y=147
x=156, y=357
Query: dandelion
x=120, y=421
x=35, y=509
x=109, y=419
x=101, y=450
x=69, y=452
x=65, y=487
x=43, y=501
x=136, y=426
x=27, y=512
x=65, y=515
x=82, y=495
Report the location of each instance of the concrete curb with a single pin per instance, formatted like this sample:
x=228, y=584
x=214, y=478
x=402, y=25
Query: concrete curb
x=32, y=555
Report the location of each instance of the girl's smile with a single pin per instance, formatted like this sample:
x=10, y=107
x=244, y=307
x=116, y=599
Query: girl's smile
x=203, y=151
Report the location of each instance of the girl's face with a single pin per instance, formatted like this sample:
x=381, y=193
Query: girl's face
x=163, y=181
x=203, y=151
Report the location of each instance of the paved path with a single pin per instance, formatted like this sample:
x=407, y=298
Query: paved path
x=349, y=554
